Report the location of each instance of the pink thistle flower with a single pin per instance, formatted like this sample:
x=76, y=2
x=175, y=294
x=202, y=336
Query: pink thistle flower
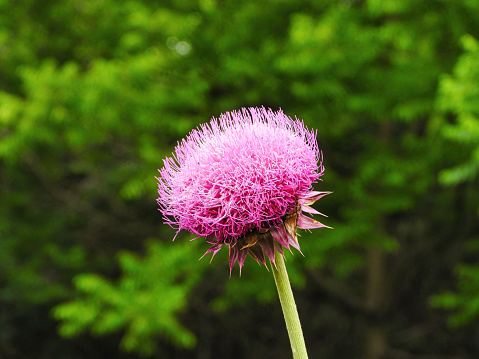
x=243, y=180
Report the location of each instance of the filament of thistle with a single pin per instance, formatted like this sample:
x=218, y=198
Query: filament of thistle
x=288, y=305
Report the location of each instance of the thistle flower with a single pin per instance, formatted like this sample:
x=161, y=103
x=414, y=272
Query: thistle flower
x=243, y=180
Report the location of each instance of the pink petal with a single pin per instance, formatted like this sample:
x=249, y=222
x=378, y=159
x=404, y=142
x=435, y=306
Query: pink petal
x=239, y=172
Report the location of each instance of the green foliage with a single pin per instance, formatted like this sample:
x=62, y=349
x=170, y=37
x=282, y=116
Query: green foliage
x=144, y=302
x=465, y=303
x=459, y=95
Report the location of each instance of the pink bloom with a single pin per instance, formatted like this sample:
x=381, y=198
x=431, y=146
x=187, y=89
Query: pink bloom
x=243, y=180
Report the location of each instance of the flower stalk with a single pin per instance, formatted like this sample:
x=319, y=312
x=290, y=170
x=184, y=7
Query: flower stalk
x=290, y=312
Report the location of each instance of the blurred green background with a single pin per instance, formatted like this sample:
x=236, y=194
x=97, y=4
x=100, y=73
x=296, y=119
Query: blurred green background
x=95, y=93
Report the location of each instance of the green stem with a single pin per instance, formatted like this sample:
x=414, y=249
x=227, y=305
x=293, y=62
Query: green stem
x=288, y=305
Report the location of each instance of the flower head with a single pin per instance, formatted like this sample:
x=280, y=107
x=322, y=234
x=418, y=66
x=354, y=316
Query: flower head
x=243, y=180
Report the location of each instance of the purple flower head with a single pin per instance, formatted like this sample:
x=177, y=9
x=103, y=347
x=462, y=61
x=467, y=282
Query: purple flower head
x=243, y=180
